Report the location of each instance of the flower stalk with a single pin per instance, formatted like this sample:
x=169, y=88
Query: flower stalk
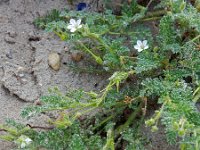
x=97, y=58
x=97, y=37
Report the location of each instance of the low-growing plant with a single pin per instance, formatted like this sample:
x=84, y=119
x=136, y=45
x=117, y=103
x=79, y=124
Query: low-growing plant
x=149, y=64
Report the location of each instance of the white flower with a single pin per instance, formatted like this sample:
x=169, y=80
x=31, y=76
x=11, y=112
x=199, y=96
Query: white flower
x=23, y=145
x=141, y=45
x=23, y=141
x=74, y=25
x=27, y=140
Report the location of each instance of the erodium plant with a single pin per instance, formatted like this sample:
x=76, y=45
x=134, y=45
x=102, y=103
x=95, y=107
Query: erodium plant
x=153, y=56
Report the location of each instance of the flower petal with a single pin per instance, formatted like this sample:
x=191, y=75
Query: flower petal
x=78, y=22
x=28, y=140
x=73, y=30
x=70, y=26
x=136, y=47
x=140, y=49
x=23, y=145
x=80, y=26
x=72, y=21
x=139, y=43
x=144, y=42
x=146, y=46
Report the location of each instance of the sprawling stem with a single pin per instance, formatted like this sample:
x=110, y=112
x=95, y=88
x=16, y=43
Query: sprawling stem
x=156, y=13
x=129, y=121
x=98, y=38
x=104, y=121
x=97, y=58
x=194, y=39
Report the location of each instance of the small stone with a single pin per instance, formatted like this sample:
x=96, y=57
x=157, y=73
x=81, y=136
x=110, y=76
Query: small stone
x=12, y=34
x=21, y=75
x=54, y=61
x=24, y=81
x=20, y=72
x=38, y=102
x=66, y=49
x=9, y=40
x=9, y=55
x=76, y=56
x=19, y=69
x=40, y=84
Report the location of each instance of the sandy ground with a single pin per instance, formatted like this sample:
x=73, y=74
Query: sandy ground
x=24, y=71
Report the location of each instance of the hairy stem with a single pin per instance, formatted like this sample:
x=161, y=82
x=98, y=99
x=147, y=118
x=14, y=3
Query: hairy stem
x=129, y=121
x=96, y=37
x=97, y=58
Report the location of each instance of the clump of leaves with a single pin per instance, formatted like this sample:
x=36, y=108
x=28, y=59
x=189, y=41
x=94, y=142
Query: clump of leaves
x=162, y=68
x=53, y=15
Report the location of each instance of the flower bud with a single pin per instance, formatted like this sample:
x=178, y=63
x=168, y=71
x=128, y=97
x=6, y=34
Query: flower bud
x=154, y=129
x=150, y=122
x=99, y=60
x=157, y=112
x=181, y=132
x=176, y=126
x=78, y=114
x=155, y=49
x=92, y=94
x=182, y=6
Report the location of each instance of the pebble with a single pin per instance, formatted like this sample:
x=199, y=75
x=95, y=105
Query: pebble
x=9, y=55
x=54, y=61
x=21, y=75
x=12, y=34
x=76, y=56
x=24, y=81
x=9, y=40
x=21, y=72
x=38, y=102
x=21, y=69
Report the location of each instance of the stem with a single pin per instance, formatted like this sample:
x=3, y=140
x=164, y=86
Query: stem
x=104, y=121
x=113, y=27
x=88, y=110
x=194, y=39
x=129, y=121
x=12, y=131
x=96, y=37
x=3, y=130
x=39, y=127
x=97, y=58
x=197, y=142
x=151, y=19
x=82, y=105
x=156, y=13
x=120, y=104
x=149, y=3
x=107, y=89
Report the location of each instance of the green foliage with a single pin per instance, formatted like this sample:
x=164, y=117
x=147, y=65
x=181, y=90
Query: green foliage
x=135, y=140
x=53, y=15
x=71, y=138
x=164, y=70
